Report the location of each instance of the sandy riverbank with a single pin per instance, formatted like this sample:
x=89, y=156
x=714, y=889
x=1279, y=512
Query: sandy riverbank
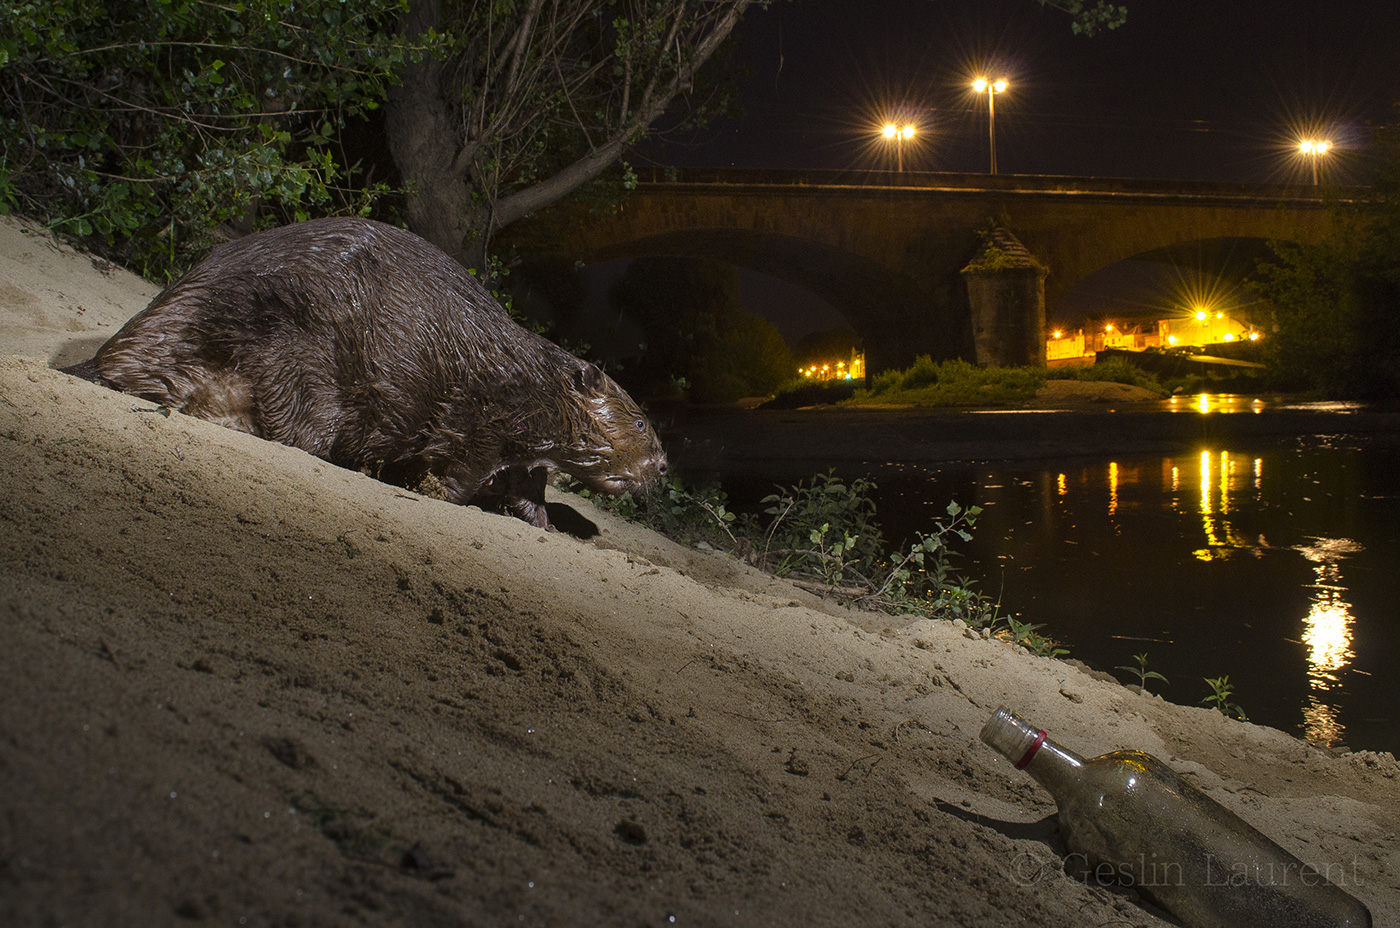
x=241, y=686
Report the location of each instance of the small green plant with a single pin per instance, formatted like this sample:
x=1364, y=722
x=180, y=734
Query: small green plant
x=832, y=555
x=1221, y=691
x=1143, y=674
x=1025, y=634
x=925, y=581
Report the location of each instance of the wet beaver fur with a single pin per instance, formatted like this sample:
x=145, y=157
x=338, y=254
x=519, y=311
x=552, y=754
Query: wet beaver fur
x=367, y=346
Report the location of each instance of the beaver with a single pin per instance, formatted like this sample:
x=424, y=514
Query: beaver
x=366, y=346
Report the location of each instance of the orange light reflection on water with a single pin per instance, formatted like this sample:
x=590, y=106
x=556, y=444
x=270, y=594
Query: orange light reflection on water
x=1220, y=478
x=1216, y=403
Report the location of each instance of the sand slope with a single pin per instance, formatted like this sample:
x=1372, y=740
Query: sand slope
x=241, y=686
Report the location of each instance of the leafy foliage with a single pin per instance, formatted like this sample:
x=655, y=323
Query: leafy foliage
x=139, y=125
x=826, y=531
x=959, y=383
x=1088, y=20
x=686, y=514
x=530, y=99
x=746, y=357
x=1028, y=636
x=952, y=383
x=1113, y=370
x=824, y=513
x=1314, y=291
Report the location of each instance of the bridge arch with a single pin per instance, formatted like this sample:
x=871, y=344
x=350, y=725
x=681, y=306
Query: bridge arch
x=1166, y=281
x=879, y=302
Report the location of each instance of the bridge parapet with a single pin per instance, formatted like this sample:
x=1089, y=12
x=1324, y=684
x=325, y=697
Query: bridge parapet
x=830, y=182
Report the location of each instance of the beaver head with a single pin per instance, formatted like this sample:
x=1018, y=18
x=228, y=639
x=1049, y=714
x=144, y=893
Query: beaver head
x=593, y=430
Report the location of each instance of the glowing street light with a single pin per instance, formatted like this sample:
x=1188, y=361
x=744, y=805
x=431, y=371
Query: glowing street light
x=1314, y=149
x=898, y=134
x=991, y=88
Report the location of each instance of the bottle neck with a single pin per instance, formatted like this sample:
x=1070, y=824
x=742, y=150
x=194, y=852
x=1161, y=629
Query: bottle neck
x=1027, y=747
x=1053, y=767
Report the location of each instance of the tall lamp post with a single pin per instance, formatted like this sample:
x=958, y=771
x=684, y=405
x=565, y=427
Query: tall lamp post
x=992, y=88
x=898, y=134
x=1314, y=149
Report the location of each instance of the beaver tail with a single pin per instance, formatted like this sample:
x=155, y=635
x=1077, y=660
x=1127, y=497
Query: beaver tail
x=87, y=370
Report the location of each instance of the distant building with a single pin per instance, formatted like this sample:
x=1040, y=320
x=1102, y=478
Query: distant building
x=1201, y=330
x=839, y=370
x=1204, y=328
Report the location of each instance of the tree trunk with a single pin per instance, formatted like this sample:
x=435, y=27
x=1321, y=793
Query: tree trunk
x=425, y=138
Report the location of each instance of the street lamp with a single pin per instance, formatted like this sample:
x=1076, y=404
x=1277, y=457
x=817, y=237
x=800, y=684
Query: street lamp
x=898, y=134
x=1314, y=149
x=992, y=88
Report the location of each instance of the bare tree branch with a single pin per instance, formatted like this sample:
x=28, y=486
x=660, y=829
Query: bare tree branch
x=547, y=96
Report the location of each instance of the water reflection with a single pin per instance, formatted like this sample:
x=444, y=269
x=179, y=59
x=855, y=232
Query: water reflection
x=1327, y=631
x=1221, y=478
x=1215, y=402
x=1216, y=487
x=1218, y=481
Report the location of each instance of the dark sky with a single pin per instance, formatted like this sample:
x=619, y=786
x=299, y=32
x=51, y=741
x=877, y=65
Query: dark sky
x=1216, y=90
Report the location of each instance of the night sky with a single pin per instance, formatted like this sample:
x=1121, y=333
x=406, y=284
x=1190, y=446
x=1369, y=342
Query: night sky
x=1214, y=90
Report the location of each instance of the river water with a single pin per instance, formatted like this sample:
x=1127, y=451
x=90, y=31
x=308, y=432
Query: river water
x=1275, y=562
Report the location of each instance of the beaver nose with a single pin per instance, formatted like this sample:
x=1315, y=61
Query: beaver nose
x=661, y=467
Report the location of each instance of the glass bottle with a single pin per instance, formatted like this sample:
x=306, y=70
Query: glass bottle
x=1129, y=818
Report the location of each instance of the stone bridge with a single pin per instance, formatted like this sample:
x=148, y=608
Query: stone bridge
x=885, y=249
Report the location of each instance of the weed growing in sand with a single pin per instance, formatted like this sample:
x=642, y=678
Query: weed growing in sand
x=1025, y=634
x=925, y=579
x=685, y=514
x=1221, y=691
x=806, y=514
x=1143, y=674
x=832, y=554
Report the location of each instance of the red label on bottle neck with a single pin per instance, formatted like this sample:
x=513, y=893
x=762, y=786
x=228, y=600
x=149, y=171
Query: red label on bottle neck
x=1030, y=752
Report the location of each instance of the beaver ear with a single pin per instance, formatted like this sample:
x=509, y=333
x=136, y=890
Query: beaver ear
x=588, y=377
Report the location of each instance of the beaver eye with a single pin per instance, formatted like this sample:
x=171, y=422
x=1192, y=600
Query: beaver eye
x=641, y=425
